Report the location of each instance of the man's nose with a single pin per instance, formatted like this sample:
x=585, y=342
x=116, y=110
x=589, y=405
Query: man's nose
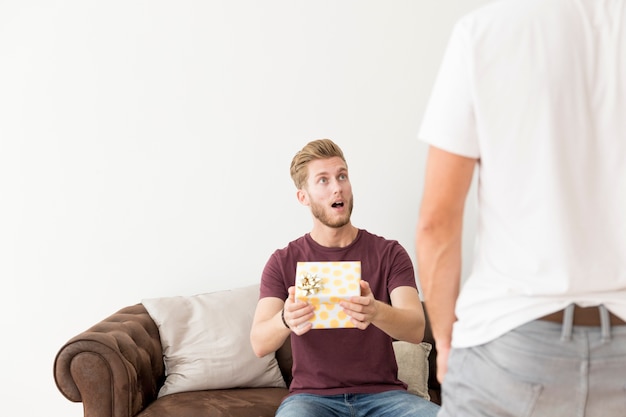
x=337, y=186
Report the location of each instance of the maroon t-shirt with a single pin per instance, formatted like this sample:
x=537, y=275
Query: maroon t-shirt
x=340, y=361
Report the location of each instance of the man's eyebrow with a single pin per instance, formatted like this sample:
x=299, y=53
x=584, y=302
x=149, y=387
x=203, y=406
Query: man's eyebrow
x=321, y=174
x=326, y=173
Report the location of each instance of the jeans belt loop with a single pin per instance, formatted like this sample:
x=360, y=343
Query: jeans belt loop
x=568, y=323
x=605, y=323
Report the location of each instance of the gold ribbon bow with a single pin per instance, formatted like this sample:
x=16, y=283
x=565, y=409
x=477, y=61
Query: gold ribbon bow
x=310, y=284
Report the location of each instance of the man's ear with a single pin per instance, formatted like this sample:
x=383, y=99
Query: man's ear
x=303, y=197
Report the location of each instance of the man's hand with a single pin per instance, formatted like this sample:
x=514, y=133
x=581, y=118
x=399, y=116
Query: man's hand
x=297, y=313
x=442, y=362
x=362, y=309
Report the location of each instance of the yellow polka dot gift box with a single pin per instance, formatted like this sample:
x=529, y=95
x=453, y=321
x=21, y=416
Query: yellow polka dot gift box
x=324, y=285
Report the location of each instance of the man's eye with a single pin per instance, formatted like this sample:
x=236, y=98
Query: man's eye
x=323, y=180
x=343, y=177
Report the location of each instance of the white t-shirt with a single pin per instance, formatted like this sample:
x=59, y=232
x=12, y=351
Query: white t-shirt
x=536, y=90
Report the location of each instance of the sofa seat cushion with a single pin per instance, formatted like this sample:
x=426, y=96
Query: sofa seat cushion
x=240, y=402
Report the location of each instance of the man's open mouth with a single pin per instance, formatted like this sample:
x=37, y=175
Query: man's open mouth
x=339, y=204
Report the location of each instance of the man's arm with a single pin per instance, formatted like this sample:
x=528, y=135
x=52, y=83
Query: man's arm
x=268, y=331
x=438, y=244
x=402, y=320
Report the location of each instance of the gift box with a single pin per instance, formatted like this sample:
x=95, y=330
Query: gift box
x=324, y=285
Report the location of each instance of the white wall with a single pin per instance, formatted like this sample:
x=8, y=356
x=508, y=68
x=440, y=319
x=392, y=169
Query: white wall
x=145, y=147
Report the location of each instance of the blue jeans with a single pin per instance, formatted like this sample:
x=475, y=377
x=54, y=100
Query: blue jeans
x=540, y=369
x=385, y=404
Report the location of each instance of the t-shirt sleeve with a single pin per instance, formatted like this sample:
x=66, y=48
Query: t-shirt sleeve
x=449, y=122
x=402, y=273
x=273, y=279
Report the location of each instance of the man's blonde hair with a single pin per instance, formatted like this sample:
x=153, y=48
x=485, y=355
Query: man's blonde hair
x=317, y=149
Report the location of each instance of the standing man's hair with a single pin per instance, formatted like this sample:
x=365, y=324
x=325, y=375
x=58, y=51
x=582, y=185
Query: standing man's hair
x=317, y=149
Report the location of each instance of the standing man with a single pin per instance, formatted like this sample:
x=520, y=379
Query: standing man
x=347, y=371
x=533, y=94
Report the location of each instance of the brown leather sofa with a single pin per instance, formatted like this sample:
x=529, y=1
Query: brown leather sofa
x=116, y=369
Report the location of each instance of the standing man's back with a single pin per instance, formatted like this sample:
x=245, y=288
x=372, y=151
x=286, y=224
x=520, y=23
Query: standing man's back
x=534, y=92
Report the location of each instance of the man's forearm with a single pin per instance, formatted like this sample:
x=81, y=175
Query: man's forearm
x=268, y=331
x=439, y=268
x=439, y=236
x=405, y=324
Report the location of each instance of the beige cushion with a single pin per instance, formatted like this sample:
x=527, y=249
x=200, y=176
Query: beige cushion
x=206, y=342
x=413, y=366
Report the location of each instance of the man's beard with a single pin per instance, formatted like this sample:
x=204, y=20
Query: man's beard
x=319, y=212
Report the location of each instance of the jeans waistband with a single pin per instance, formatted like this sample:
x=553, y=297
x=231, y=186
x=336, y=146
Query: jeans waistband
x=574, y=315
x=584, y=316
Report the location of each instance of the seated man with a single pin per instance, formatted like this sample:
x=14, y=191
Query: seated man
x=344, y=371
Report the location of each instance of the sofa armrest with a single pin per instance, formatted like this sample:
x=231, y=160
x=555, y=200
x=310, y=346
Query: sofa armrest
x=115, y=368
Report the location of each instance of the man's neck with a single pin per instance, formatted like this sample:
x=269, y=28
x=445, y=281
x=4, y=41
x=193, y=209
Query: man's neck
x=331, y=237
